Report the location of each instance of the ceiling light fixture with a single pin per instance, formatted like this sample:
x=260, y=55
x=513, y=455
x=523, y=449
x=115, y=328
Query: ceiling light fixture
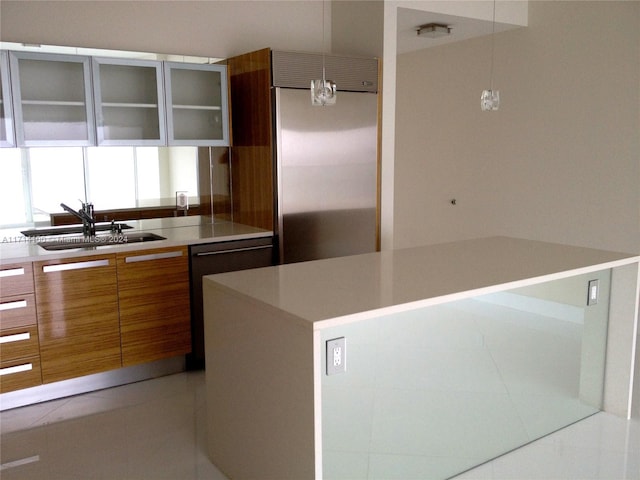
x=490, y=99
x=434, y=30
x=323, y=92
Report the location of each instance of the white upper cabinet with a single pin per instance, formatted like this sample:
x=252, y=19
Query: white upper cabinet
x=196, y=104
x=7, y=138
x=52, y=99
x=129, y=102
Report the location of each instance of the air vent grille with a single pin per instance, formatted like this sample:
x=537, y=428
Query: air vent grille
x=297, y=69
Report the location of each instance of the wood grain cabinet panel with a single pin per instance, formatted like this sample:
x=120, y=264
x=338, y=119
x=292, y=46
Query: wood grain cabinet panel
x=17, y=311
x=153, y=291
x=20, y=342
x=19, y=349
x=20, y=361
x=17, y=374
x=16, y=279
x=78, y=327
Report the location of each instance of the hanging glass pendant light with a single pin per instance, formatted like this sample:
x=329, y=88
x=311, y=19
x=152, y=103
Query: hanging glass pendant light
x=323, y=91
x=490, y=99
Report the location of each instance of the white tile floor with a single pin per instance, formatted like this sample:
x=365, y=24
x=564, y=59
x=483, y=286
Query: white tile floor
x=156, y=430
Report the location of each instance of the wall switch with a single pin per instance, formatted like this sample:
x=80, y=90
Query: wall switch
x=592, y=295
x=336, y=356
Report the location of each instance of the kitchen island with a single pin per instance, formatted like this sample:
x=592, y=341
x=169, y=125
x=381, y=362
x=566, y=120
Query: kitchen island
x=381, y=364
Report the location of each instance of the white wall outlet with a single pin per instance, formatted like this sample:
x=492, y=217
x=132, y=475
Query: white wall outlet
x=182, y=200
x=336, y=356
x=592, y=295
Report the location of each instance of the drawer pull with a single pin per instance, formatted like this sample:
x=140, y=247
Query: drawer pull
x=20, y=462
x=17, y=337
x=153, y=256
x=233, y=250
x=12, y=272
x=75, y=266
x=12, y=305
x=17, y=369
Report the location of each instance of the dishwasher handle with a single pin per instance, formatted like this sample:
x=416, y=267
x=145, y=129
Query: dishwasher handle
x=232, y=250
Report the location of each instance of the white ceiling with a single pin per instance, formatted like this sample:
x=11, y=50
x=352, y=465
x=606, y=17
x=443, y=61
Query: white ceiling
x=462, y=28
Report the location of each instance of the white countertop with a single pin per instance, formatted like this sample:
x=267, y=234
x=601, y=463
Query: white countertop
x=15, y=247
x=335, y=291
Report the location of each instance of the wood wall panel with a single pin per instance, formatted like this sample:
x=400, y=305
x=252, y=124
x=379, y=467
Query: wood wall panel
x=252, y=162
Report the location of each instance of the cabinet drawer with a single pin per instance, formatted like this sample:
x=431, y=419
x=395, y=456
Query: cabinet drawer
x=15, y=375
x=17, y=343
x=16, y=279
x=17, y=311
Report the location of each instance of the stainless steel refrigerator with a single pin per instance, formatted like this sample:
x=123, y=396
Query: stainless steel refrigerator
x=326, y=157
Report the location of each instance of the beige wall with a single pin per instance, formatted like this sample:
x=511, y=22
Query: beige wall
x=560, y=160
x=357, y=27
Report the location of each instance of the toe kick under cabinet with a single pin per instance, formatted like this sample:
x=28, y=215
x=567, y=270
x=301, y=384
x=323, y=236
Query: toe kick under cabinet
x=20, y=361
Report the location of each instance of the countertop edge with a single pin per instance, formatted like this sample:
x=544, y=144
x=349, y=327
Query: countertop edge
x=321, y=324
x=12, y=252
x=414, y=277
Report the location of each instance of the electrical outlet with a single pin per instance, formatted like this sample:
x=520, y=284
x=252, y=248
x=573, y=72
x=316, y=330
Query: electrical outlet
x=592, y=295
x=336, y=356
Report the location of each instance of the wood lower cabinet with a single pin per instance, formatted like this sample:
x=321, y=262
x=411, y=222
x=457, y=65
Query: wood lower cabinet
x=94, y=313
x=153, y=292
x=19, y=349
x=78, y=327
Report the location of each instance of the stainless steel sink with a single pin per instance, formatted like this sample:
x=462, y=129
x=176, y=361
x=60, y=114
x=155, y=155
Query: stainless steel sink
x=71, y=242
x=69, y=229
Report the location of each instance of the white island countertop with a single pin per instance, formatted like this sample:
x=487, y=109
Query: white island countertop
x=177, y=231
x=339, y=290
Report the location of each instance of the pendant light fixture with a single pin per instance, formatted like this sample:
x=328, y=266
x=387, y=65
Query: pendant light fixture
x=323, y=91
x=490, y=99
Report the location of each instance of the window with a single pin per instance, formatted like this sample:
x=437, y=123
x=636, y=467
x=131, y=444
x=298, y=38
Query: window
x=56, y=176
x=34, y=181
x=13, y=205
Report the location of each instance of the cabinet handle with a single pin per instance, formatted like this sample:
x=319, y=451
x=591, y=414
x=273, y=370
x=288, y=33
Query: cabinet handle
x=12, y=305
x=16, y=337
x=233, y=250
x=17, y=369
x=11, y=272
x=75, y=266
x=153, y=256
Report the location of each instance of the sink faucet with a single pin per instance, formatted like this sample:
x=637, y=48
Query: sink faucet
x=85, y=214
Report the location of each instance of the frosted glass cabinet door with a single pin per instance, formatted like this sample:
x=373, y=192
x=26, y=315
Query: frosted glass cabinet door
x=129, y=102
x=196, y=104
x=7, y=138
x=52, y=99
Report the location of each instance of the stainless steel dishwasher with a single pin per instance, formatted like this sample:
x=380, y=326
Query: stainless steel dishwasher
x=220, y=257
